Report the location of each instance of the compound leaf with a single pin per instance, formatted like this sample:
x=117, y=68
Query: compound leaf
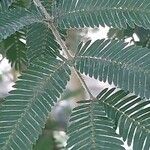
x=24, y=112
x=128, y=67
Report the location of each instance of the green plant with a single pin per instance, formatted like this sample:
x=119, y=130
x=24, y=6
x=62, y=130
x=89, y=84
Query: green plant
x=122, y=34
x=94, y=122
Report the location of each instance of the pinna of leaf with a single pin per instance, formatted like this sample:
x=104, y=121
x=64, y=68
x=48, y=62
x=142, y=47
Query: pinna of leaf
x=93, y=122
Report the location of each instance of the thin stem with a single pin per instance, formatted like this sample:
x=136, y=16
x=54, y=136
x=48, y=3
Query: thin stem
x=44, y=11
x=62, y=57
x=49, y=20
x=84, y=84
x=59, y=40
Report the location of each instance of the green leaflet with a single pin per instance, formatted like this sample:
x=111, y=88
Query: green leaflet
x=127, y=67
x=91, y=129
x=48, y=5
x=22, y=3
x=15, y=19
x=41, y=41
x=5, y=4
x=113, y=13
x=131, y=114
x=93, y=123
x=23, y=114
x=15, y=51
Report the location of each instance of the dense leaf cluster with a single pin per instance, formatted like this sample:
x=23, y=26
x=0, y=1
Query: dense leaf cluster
x=31, y=33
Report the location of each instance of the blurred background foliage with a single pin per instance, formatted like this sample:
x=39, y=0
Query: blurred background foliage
x=142, y=34
x=13, y=61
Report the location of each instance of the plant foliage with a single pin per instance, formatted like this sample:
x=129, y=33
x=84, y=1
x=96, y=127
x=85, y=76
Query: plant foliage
x=15, y=19
x=122, y=34
x=25, y=111
x=15, y=50
x=41, y=41
x=112, y=61
x=105, y=121
x=115, y=13
x=4, y=4
x=131, y=114
x=91, y=129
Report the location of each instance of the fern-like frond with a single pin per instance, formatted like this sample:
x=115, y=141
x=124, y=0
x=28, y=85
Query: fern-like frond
x=41, y=41
x=15, y=19
x=114, y=13
x=91, y=129
x=24, y=112
x=131, y=114
x=128, y=67
x=15, y=50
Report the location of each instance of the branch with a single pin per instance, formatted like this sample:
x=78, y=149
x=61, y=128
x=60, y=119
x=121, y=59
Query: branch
x=42, y=8
x=84, y=84
x=49, y=20
x=59, y=40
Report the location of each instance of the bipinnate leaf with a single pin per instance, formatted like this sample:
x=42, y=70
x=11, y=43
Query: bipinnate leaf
x=24, y=112
x=113, y=61
x=90, y=128
x=131, y=115
x=14, y=19
x=113, y=13
x=41, y=41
